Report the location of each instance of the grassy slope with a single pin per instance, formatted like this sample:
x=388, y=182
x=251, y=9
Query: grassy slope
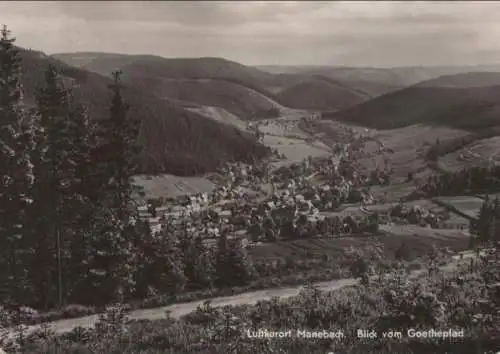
x=174, y=140
x=232, y=97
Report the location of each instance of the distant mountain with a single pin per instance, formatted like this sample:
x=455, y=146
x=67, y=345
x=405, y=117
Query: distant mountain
x=321, y=94
x=463, y=80
x=176, y=68
x=397, y=77
x=174, y=140
x=218, y=82
x=468, y=101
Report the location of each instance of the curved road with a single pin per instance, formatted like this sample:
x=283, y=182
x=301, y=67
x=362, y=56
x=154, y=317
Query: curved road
x=179, y=310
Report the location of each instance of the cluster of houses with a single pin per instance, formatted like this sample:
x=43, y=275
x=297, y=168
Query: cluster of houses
x=306, y=196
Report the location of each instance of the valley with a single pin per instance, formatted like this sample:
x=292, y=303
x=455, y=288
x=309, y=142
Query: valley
x=155, y=204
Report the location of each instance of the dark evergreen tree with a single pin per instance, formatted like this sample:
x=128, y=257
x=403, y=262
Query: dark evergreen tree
x=197, y=261
x=484, y=224
x=86, y=206
x=114, y=260
x=54, y=189
x=496, y=220
x=162, y=266
x=16, y=178
x=119, y=153
x=232, y=264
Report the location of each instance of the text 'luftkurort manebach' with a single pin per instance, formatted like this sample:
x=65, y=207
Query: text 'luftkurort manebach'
x=360, y=333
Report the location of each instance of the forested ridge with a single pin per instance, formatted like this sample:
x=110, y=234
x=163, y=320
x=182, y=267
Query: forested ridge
x=173, y=139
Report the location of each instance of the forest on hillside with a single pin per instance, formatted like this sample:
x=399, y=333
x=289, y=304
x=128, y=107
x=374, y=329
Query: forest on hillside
x=69, y=226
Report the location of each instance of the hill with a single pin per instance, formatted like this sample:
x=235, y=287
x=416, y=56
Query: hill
x=232, y=86
x=467, y=101
x=174, y=140
x=397, y=77
x=235, y=98
x=320, y=94
x=173, y=68
x=463, y=80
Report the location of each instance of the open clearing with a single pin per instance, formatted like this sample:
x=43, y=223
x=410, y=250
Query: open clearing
x=282, y=134
x=220, y=115
x=285, y=128
x=467, y=205
x=418, y=239
x=295, y=150
x=408, y=146
x=415, y=136
x=479, y=153
x=424, y=203
x=170, y=186
x=425, y=232
x=392, y=193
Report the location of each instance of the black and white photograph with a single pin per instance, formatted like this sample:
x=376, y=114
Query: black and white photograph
x=249, y=177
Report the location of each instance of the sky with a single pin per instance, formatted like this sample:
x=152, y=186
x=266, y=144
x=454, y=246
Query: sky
x=346, y=33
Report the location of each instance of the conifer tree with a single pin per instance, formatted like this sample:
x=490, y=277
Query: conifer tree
x=119, y=151
x=86, y=206
x=54, y=186
x=160, y=268
x=233, y=266
x=196, y=261
x=16, y=178
x=113, y=262
x=222, y=264
x=482, y=227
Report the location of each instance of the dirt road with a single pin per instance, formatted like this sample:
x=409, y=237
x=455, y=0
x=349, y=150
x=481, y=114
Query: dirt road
x=178, y=310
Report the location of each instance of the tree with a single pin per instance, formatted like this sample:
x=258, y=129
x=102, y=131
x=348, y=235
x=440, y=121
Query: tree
x=16, y=177
x=196, y=261
x=54, y=209
x=119, y=152
x=373, y=223
x=484, y=225
x=116, y=155
x=85, y=206
x=203, y=270
x=166, y=265
x=232, y=264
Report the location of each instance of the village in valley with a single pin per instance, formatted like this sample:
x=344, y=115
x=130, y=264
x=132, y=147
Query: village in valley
x=327, y=196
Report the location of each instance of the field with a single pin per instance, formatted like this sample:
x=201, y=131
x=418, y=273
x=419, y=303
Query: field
x=424, y=232
x=170, y=186
x=392, y=193
x=420, y=240
x=477, y=154
x=467, y=205
x=282, y=134
x=408, y=147
x=295, y=150
x=424, y=203
x=287, y=128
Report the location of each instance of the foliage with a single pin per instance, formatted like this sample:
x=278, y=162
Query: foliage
x=486, y=227
x=16, y=178
x=467, y=181
x=466, y=298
